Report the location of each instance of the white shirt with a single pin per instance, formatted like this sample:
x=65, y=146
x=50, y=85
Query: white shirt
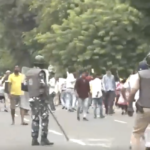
x=62, y=81
x=132, y=83
x=52, y=84
x=96, y=88
x=70, y=81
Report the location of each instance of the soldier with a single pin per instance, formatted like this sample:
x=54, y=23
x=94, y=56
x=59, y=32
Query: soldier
x=142, y=83
x=38, y=89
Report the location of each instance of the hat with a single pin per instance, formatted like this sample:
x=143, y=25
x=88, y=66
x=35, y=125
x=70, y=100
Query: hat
x=143, y=65
x=8, y=71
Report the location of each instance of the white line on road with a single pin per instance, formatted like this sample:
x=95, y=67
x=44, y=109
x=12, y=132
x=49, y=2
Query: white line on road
x=55, y=132
x=119, y=121
x=102, y=140
x=102, y=145
x=77, y=142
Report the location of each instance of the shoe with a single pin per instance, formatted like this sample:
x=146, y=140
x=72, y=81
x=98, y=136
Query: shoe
x=63, y=107
x=35, y=142
x=85, y=119
x=102, y=117
x=73, y=109
x=122, y=113
x=45, y=141
x=70, y=110
x=78, y=118
x=6, y=110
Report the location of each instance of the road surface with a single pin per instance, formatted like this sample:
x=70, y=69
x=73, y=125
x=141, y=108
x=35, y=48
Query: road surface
x=110, y=133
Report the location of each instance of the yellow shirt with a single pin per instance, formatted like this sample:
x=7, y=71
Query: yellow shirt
x=16, y=82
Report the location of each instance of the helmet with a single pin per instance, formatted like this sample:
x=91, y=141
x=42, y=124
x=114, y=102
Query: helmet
x=143, y=65
x=148, y=59
x=40, y=61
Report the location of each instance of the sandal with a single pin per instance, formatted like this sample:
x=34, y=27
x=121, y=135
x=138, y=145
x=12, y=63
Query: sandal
x=24, y=123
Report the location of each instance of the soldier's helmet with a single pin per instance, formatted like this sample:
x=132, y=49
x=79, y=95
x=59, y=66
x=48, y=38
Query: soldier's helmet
x=143, y=65
x=148, y=59
x=39, y=61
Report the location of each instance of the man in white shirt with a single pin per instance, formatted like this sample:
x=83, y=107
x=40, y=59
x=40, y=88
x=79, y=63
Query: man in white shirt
x=70, y=84
x=52, y=83
x=96, y=90
x=62, y=84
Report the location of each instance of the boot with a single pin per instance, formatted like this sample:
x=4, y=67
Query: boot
x=35, y=142
x=45, y=141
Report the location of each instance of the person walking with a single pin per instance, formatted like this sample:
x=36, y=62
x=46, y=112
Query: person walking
x=6, y=95
x=109, y=87
x=96, y=90
x=70, y=96
x=82, y=88
x=15, y=92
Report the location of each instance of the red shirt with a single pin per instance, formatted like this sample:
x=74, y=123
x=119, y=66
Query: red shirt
x=83, y=88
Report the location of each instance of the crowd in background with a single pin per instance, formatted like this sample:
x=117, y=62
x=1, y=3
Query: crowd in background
x=81, y=92
x=74, y=92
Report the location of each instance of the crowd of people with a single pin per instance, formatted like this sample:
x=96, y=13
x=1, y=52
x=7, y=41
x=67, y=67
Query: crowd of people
x=73, y=92
x=81, y=92
x=77, y=93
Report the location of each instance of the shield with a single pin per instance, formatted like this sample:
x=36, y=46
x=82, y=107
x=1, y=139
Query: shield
x=24, y=70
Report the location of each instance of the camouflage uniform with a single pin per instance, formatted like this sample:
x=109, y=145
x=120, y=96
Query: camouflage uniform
x=39, y=108
x=36, y=81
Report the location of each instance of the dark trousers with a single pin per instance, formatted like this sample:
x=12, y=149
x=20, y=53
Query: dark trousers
x=109, y=98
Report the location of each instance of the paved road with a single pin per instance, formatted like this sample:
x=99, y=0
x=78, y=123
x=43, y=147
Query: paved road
x=113, y=132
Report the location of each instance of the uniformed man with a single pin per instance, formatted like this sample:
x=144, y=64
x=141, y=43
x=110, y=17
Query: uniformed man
x=142, y=83
x=38, y=89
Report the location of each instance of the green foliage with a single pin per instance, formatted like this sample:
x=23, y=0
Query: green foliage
x=16, y=18
x=75, y=34
x=97, y=34
x=6, y=61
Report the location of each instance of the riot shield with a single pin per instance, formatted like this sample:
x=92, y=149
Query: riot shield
x=24, y=70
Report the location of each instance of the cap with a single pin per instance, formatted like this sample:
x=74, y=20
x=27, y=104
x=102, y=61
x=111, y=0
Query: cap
x=8, y=71
x=143, y=65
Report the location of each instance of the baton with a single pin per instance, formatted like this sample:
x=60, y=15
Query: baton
x=61, y=128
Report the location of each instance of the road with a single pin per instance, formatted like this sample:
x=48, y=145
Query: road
x=113, y=132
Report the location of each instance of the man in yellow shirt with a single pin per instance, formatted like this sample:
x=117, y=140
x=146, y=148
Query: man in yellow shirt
x=15, y=81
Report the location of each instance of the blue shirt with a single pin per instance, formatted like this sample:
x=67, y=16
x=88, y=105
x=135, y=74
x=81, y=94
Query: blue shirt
x=109, y=83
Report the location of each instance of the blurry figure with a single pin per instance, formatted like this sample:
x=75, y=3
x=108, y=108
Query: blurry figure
x=122, y=103
x=109, y=87
x=96, y=90
x=70, y=84
x=82, y=88
x=6, y=95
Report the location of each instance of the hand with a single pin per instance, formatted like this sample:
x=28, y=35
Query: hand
x=9, y=95
x=90, y=95
x=130, y=111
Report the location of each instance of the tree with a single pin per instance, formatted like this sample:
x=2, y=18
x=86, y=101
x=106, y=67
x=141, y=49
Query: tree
x=16, y=18
x=144, y=7
x=6, y=61
x=97, y=34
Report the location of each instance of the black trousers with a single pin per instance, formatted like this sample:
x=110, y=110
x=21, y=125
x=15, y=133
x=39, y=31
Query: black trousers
x=109, y=98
